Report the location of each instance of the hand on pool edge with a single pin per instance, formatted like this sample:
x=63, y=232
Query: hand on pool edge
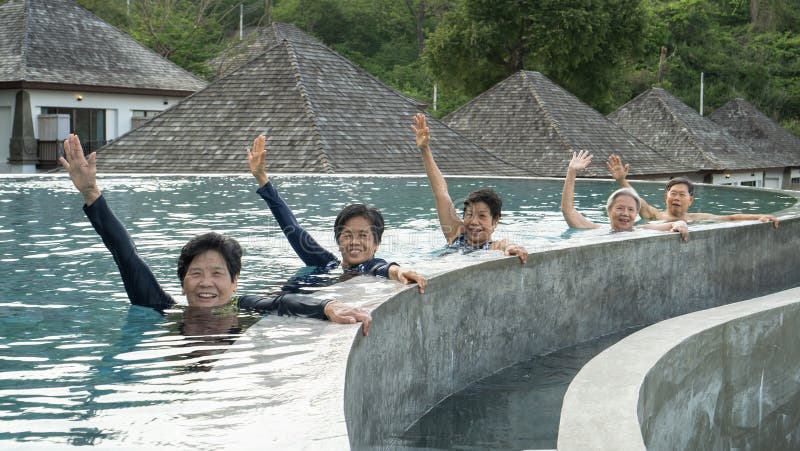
x=341, y=313
x=519, y=251
x=682, y=228
x=770, y=218
x=408, y=277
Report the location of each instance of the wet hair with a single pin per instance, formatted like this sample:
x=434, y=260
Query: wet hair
x=624, y=192
x=487, y=196
x=371, y=214
x=228, y=247
x=680, y=181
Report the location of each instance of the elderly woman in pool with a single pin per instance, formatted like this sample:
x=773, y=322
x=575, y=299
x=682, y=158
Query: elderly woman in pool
x=622, y=207
x=472, y=231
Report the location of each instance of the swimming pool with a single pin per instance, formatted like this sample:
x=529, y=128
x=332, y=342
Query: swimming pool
x=81, y=366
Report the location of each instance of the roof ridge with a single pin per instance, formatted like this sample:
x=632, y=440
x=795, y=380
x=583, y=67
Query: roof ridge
x=479, y=96
x=322, y=156
x=25, y=38
x=690, y=136
x=550, y=119
x=487, y=151
x=358, y=68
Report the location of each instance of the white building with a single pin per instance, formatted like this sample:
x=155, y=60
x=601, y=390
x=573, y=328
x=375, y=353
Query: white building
x=65, y=70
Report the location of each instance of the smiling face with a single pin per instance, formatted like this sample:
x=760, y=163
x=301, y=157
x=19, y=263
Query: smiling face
x=357, y=241
x=478, y=223
x=208, y=282
x=622, y=213
x=678, y=200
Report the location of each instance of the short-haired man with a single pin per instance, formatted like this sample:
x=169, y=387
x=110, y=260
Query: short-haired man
x=678, y=195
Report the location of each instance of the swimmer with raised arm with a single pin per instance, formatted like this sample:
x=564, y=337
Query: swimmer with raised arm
x=482, y=208
x=623, y=205
x=208, y=265
x=357, y=229
x=678, y=195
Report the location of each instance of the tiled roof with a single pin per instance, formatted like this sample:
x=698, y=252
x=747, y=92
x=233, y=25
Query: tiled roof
x=56, y=42
x=240, y=52
x=742, y=120
x=321, y=113
x=665, y=123
x=531, y=121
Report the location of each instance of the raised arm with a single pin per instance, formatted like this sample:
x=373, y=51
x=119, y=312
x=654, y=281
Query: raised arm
x=620, y=173
x=735, y=217
x=451, y=224
x=304, y=245
x=139, y=281
x=574, y=219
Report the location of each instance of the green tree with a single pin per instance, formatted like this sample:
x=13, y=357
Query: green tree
x=580, y=44
x=184, y=31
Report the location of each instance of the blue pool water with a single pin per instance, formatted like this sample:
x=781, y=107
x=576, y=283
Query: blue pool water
x=79, y=365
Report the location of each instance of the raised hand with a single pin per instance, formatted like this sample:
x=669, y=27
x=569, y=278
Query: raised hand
x=422, y=131
x=341, y=313
x=257, y=159
x=580, y=161
x=615, y=167
x=82, y=170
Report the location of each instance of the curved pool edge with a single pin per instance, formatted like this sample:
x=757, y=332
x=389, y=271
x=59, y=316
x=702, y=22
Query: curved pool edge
x=675, y=384
x=422, y=349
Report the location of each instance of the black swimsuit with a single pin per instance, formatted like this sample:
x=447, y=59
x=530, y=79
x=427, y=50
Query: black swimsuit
x=143, y=289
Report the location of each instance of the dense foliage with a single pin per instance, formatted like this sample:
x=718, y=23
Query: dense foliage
x=604, y=51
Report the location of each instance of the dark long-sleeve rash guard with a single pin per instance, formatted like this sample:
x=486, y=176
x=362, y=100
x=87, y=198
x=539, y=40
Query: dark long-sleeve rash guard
x=306, y=246
x=143, y=289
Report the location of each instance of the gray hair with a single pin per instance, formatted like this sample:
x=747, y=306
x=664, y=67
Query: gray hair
x=624, y=192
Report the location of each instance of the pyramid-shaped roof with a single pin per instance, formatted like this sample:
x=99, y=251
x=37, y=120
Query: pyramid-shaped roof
x=742, y=120
x=535, y=123
x=321, y=113
x=240, y=52
x=56, y=44
x=665, y=123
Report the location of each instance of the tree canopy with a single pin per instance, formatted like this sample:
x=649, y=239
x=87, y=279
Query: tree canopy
x=604, y=51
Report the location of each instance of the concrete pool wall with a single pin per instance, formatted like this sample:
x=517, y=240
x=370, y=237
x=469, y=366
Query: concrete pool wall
x=723, y=378
x=477, y=320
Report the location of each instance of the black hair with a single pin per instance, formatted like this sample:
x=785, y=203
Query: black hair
x=680, y=181
x=487, y=196
x=371, y=214
x=228, y=247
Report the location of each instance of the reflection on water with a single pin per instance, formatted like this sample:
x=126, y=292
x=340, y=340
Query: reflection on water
x=79, y=365
x=516, y=408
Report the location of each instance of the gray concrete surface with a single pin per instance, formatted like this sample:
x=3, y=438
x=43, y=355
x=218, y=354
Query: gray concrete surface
x=723, y=378
x=477, y=320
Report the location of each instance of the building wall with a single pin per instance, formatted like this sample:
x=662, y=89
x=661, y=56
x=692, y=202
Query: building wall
x=773, y=178
x=739, y=178
x=119, y=107
x=119, y=111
